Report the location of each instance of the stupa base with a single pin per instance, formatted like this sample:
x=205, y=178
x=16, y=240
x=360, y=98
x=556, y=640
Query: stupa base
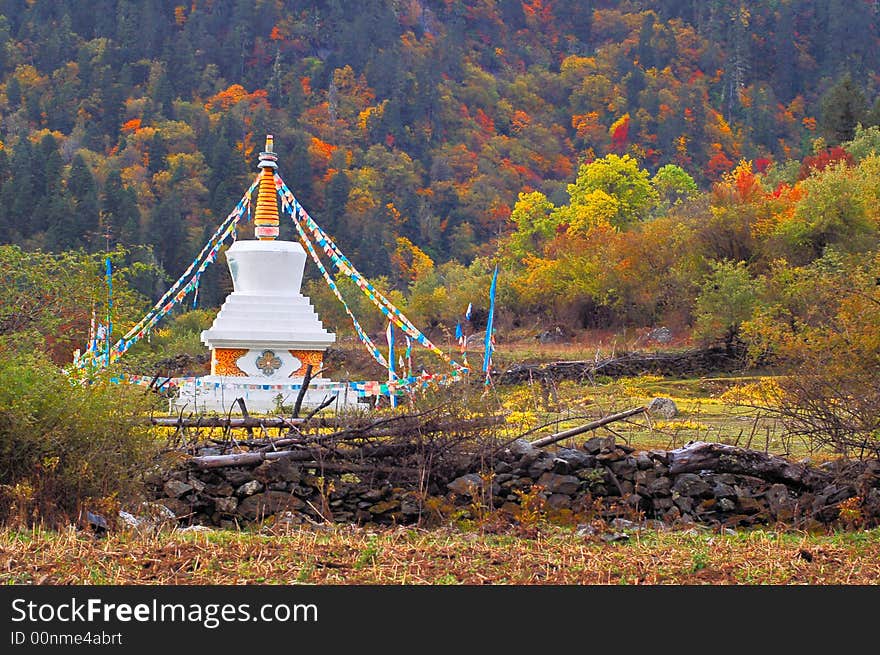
x=215, y=393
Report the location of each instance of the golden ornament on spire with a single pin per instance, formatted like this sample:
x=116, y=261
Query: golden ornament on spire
x=266, y=214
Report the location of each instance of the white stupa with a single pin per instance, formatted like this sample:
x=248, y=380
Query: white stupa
x=266, y=333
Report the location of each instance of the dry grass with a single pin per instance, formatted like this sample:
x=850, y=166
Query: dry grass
x=346, y=555
x=705, y=414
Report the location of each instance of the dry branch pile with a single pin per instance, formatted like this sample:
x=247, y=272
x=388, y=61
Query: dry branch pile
x=318, y=462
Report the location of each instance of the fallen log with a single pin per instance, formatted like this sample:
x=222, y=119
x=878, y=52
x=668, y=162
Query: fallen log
x=248, y=459
x=303, y=455
x=592, y=425
x=723, y=458
x=222, y=422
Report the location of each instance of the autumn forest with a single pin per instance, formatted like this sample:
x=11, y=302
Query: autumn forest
x=708, y=165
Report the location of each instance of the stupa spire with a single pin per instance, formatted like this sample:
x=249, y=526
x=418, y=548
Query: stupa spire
x=266, y=214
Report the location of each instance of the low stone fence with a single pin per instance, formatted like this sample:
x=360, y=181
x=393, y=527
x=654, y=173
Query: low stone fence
x=704, y=483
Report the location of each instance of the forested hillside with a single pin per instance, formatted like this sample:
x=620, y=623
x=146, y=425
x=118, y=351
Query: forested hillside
x=623, y=160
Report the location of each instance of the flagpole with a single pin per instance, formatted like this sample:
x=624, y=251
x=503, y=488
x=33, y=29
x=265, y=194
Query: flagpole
x=389, y=334
x=109, y=271
x=490, y=328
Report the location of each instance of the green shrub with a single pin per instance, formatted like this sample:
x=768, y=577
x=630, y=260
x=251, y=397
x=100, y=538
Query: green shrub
x=65, y=445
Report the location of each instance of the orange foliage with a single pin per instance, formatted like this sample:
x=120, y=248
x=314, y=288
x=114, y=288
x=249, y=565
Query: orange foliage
x=486, y=124
x=520, y=120
x=131, y=126
x=180, y=15
x=234, y=94
x=562, y=167
x=718, y=164
x=320, y=152
x=587, y=126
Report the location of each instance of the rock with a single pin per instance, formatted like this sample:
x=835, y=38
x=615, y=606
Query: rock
x=559, y=484
x=466, y=485
x=608, y=456
x=644, y=461
x=154, y=513
x=543, y=463
x=779, y=500
x=662, y=503
x=599, y=444
x=219, y=489
x=176, y=506
x=522, y=447
x=277, y=486
x=664, y=407
x=559, y=501
x=287, y=520
x=672, y=514
x=747, y=505
x=264, y=504
x=624, y=524
x=684, y=503
x=624, y=468
x=237, y=476
x=226, y=504
x=196, y=528
x=556, y=335
x=833, y=494
x=503, y=467
x=277, y=469
x=726, y=505
x=586, y=530
x=659, y=335
x=410, y=506
x=176, y=488
x=384, y=506
x=561, y=466
x=154, y=479
x=130, y=520
x=576, y=459
x=249, y=488
x=721, y=490
x=637, y=502
x=197, y=484
x=660, y=487
x=691, y=484
x=613, y=537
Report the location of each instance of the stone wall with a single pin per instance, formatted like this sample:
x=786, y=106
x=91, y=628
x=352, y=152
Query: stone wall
x=701, y=483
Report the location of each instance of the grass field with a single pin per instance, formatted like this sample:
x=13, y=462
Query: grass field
x=475, y=552
x=345, y=555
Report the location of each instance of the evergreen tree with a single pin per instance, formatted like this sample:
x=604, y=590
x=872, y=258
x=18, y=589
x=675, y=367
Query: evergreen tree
x=167, y=235
x=120, y=214
x=843, y=107
x=86, y=206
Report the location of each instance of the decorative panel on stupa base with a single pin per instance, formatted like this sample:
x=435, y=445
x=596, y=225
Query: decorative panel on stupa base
x=306, y=357
x=223, y=361
x=265, y=363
